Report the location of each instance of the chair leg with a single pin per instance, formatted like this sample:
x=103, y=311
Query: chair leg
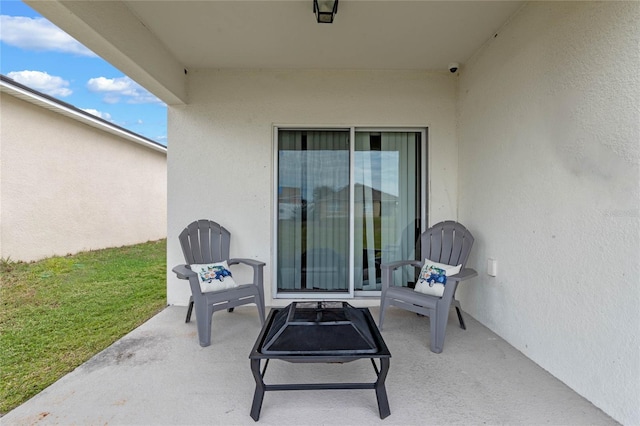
x=204, y=315
x=383, y=307
x=260, y=305
x=189, y=309
x=459, y=312
x=438, y=327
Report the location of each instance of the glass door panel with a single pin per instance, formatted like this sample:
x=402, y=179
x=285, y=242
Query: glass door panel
x=313, y=211
x=387, y=204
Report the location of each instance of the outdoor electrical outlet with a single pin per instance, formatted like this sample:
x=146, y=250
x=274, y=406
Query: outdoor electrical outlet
x=492, y=267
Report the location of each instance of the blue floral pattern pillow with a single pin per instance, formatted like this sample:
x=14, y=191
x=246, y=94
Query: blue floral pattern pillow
x=214, y=276
x=433, y=277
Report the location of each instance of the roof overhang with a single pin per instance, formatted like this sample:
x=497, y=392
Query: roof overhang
x=156, y=42
x=110, y=30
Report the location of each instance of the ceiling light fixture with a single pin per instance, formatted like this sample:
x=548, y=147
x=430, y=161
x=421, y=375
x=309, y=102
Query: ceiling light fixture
x=325, y=10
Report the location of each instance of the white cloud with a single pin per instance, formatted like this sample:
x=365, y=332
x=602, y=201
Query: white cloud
x=38, y=34
x=103, y=115
x=43, y=82
x=115, y=89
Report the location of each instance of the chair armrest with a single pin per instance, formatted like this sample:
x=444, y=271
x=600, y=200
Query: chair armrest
x=251, y=262
x=258, y=267
x=450, y=290
x=464, y=274
x=388, y=268
x=398, y=263
x=183, y=272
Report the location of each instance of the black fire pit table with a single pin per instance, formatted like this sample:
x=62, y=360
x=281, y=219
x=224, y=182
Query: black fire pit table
x=332, y=332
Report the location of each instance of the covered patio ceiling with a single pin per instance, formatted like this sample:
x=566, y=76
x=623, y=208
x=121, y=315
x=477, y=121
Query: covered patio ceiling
x=157, y=42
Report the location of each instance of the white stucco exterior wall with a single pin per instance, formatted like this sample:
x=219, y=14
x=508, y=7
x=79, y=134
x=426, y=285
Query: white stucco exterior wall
x=550, y=186
x=222, y=167
x=68, y=187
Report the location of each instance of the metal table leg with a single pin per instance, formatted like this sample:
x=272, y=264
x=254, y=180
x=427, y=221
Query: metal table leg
x=378, y=386
x=258, y=395
x=381, y=391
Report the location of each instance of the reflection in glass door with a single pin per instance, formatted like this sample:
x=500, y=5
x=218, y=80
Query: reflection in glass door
x=313, y=211
x=387, y=204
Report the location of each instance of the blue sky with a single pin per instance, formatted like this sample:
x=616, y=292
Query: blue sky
x=39, y=55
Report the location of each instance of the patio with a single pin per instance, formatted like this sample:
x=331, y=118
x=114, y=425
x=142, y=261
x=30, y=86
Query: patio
x=532, y=145
x=158, y=374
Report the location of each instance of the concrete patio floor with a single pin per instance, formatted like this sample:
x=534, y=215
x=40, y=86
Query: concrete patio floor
x=159, y=375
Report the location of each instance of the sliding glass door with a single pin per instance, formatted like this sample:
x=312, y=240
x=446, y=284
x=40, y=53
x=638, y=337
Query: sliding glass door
x=347, y=201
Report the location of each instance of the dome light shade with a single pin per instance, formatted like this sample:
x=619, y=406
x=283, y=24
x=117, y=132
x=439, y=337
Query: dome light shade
x=325, y=10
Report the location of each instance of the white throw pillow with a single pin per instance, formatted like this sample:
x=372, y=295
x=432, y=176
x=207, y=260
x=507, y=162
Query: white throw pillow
x=433, y=277
x=214, y=276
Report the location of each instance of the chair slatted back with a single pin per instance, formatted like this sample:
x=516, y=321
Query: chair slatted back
x=205, y=241
x=447, y=242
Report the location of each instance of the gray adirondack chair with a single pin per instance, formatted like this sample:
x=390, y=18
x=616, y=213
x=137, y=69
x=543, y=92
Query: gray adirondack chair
x=446, y=242
x=204, y=242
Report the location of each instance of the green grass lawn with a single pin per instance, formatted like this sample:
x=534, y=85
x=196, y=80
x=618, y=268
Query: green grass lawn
x=58, y=312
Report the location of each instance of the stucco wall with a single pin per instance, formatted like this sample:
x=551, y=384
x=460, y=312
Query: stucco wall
x=550, y=186
x=68, y=187
x=223, y=168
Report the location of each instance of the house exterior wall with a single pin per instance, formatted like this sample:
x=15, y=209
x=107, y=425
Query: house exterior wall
x=550, y=187
x=225, y=165
x=68, y=187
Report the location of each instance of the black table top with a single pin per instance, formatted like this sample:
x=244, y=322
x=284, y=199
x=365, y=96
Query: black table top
x=309, y=343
